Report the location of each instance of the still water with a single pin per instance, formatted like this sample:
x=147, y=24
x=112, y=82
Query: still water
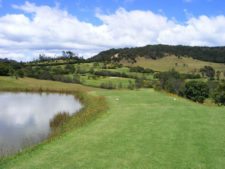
x=24, y=117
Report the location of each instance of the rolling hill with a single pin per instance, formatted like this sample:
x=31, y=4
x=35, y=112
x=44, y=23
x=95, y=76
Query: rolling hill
x=210, y=54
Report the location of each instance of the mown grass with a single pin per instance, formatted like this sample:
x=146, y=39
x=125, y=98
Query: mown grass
x=142, y=129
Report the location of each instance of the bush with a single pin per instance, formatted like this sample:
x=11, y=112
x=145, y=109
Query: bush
x=141, y=70
x=208, y=71
x=197, y=91
x=190, y=76
x=131, y=86
x=109, y=73
x=219, y=95
x=45, y=75
x=108, y=85
x=4, y=69
x=170, y=81
x=20, y=73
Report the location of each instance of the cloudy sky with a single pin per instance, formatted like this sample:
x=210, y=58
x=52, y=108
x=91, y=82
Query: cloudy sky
x=28, y=28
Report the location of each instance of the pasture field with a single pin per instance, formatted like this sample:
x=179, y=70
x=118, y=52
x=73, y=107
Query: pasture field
x=141, y=129
x=182, y=65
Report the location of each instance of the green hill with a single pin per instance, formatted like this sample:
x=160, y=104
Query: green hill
x=182, y=64
x=211, y=54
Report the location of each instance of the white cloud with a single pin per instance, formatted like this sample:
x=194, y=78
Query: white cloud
x=47, y=29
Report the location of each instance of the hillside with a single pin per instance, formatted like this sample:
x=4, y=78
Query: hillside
x=210, y=54
x=182, y=64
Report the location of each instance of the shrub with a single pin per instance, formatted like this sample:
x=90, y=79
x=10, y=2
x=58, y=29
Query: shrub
x=108, y=85
x=219, y=95
x=208, y=71
x=197, y=91
x=170, y=81
x=4, y=69
x=141, y=70
x=131, y=86
x=45, y=75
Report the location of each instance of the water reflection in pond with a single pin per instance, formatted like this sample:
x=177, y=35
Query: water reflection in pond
x=24, y=117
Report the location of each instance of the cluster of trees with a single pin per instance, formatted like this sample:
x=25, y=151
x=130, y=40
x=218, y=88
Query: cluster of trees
x=66, y=57
x=212, y=54
x=108, y=85
x=56, y=73
x=131, y=85
x=11, y=68
x=110, y=73
x=114, y=74
x=170, y=81
x=140, y=69
x=208, y=71
x=195, y=90
x=219, y=94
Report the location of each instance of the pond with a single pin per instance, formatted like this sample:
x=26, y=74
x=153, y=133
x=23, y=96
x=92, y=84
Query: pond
x=25, y=117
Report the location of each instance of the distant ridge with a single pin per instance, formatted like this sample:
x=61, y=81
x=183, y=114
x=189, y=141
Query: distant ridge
x=211, y=54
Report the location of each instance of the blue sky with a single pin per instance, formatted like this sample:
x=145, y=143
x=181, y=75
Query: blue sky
x=85, y=9
x=28, y=28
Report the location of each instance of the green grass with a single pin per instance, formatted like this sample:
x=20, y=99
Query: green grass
x=10, y=83
x=142, y=129
x=99, y=80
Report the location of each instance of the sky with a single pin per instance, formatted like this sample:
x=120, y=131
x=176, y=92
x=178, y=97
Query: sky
x=86, y=27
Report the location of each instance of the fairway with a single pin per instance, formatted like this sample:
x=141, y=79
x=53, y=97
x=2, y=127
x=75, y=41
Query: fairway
x=141, y=129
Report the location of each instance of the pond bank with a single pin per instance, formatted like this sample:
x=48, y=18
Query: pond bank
x=93, y=106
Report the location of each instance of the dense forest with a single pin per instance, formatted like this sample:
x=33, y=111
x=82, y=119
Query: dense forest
x=211, y=54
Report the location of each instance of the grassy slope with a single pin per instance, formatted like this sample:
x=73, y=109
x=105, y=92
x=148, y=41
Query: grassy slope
x=167, y=63
x=142, y=129
x=10, y=82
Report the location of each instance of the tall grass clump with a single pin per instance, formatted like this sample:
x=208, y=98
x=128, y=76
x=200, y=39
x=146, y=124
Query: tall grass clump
x=93, y=106
x=59, y=120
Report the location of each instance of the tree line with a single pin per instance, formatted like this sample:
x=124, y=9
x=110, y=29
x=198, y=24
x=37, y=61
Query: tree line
x=211, y=54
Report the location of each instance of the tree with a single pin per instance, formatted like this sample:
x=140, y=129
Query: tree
x=197, y=91
x=139, y=82
x=130, y=85
x=4, y=69
x=208, y=71
x=45, y=75
x=218, y=75
x=76, y=78
x=20, y=73
x=69, y=68
x=69, y=54
x=170, y=81
x=219, y=95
